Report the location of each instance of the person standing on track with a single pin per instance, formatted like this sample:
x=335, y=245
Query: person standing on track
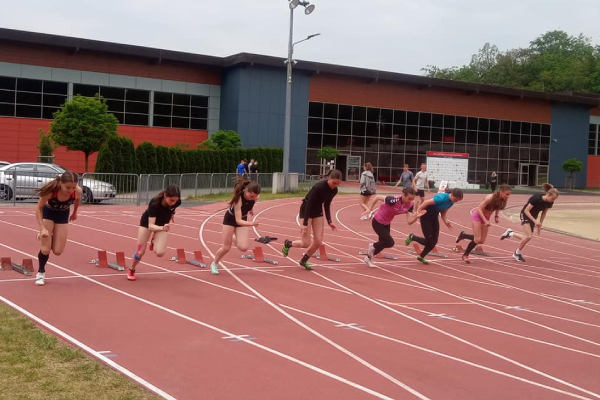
x=161, y=211
x=392, y=206
x=529, y=217
x=480, y=219
x=235, y=222
x=420, y=182
x=52, y=214
x=430, y=224
x=406, y=178
x=317, y=199
x=367, y=188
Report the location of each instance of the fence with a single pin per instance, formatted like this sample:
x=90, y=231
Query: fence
x=20, y=186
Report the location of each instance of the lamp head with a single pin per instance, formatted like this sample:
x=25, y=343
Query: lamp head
x=294, y=3
x=309, y=8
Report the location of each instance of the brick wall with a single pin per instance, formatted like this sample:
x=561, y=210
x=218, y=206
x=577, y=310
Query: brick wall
x=19, y=138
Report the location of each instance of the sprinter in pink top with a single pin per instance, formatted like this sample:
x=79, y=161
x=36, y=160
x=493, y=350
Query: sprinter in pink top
x=392, y=206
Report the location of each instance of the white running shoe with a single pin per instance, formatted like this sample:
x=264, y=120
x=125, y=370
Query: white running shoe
x=39, y=278
x=518, y=257
x=214, y=269
x=371, y=214
x=364, y=218
x=369, y=262
x=371, y=251
x=506, y=234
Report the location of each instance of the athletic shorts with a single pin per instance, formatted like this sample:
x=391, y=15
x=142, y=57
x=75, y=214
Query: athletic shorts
x=421, y=192
x=525, y=220
x=477, y=218
x=229, y=219
x=367, y=193
x=58, y=216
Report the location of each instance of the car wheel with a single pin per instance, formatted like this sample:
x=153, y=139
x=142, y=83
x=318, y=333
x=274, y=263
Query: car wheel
x=87, y=196
x=5, y=193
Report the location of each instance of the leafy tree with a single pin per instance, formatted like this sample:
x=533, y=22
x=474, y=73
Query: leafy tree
x=128, y=155
x=174, y=157
x=572, y=166
x=222, y=140
x=151, y=162
x=553, y=62
x=83, y=124
x=46, y=145
x=142, y=161
x=104, y=163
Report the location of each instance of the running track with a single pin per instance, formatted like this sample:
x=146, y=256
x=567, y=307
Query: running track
x=494, y=329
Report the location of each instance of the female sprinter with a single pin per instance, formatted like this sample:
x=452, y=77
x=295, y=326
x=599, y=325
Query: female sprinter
x=311, y=212
x=480, y=219
x=529, y=217
x=235, y=222
x=430, y=224
x=393, y=205
x=52, y=214
x=155, y=219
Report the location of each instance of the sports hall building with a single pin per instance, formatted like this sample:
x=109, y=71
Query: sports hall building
x=388, y=119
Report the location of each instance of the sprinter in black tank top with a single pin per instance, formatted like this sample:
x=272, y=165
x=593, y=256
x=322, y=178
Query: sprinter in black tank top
x=235, y=222
x=53, y=213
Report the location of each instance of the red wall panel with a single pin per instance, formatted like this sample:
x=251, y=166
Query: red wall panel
x=593, y=172
x=107, y=63
x=342, y=90
x=19, y=138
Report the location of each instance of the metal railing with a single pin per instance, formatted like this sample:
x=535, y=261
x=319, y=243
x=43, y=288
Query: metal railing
x=107, y=188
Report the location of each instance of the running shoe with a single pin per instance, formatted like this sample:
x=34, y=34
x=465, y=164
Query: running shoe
x=506, y=234
x=409, y=239
x=39, y=278
x=286, y=247
x=214, y=268
x=131, y=274
x=423, y=260
x=466, y=259
x=306, y=265
x=461, y=236
x=371, y=214
x=369, y=262
x=371, y=251
x=519, y=257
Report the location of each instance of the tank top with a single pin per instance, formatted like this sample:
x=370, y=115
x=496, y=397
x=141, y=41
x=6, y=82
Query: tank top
x=56, y=204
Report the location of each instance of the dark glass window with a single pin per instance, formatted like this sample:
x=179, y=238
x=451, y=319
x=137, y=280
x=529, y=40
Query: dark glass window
x=29, y=85
x=412, y=118
x=330, y=111
x=55, y=87
x=314, y=109
x=8, y=83
x=345, y=112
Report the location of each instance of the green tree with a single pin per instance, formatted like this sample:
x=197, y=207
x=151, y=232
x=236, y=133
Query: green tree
x=222, y=140
x=104, y=163
x=174, y=157
x=572, y=166
x=151, y=162
x=553, y=62
x=142, y=161
x=46, y=146
x=128, y=155
x=83, y=124
x=115, y=145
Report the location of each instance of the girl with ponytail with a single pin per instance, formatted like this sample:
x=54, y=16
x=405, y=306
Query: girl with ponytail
x=155, y=221
x=529, y=217
x=235, y=221
x=52, y=214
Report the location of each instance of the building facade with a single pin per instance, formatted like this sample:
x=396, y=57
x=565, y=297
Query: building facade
x=388, y=119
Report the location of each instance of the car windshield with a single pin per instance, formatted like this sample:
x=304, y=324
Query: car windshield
x=59, y=167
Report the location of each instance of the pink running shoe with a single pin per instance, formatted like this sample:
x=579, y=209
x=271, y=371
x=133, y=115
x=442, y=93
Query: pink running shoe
x=131, y=275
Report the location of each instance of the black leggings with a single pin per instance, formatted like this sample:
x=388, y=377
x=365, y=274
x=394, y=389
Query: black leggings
x=431, y=230
x=385, y=238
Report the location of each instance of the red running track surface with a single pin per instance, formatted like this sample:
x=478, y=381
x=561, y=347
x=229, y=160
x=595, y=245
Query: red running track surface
x=494, y=329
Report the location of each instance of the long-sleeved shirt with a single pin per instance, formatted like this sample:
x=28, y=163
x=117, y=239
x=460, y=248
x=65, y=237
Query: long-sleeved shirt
x=317, y=199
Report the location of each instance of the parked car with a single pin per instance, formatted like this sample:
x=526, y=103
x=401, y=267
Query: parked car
x=22, y=179
x=4, y=163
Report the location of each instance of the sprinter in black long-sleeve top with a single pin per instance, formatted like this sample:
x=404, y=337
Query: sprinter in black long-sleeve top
x=311, y=212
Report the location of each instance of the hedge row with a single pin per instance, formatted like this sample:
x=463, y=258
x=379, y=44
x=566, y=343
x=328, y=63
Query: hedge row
x=117, y=155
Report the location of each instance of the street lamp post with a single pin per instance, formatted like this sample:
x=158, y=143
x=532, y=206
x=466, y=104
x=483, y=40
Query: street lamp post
x=308, y=8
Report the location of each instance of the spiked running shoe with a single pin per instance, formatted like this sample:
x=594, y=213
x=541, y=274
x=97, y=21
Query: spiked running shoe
x=506, y=234
x=306, y=265
x=286, y=247
x=423, y=260
x=369, y=262
x=214, y=268
x=409, y=239
x=519, y=257
x=461, y=236
x=39, y=278
x=371, y=251
x=466, y=259
x=131, y=274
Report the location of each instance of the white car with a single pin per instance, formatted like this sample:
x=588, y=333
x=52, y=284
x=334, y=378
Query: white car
x=4, y=163
x=22, y=180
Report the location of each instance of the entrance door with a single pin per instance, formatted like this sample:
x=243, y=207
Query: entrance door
x=353, y=168
x=542, y=174
x=340, y=163
x=524, y=175
x=533, y=174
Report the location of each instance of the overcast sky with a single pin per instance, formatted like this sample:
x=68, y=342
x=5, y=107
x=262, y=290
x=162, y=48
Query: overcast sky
x=400, y=36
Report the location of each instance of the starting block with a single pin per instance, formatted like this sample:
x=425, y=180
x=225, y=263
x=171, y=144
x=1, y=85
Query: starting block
x=321, y=254
x=102, y=261
x=434, y=252
x=198, y=261
x=380, y=255
x=477, y=250
x=258, y=256
x=26, y=268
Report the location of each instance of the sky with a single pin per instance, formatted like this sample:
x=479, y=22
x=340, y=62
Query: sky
x=399, y=36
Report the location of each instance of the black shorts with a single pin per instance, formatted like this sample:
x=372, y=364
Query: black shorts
x=229, y=219
x=525, y=220
x=366, y=193
x=303, y=212
x=58, y=216
x=421, y=192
